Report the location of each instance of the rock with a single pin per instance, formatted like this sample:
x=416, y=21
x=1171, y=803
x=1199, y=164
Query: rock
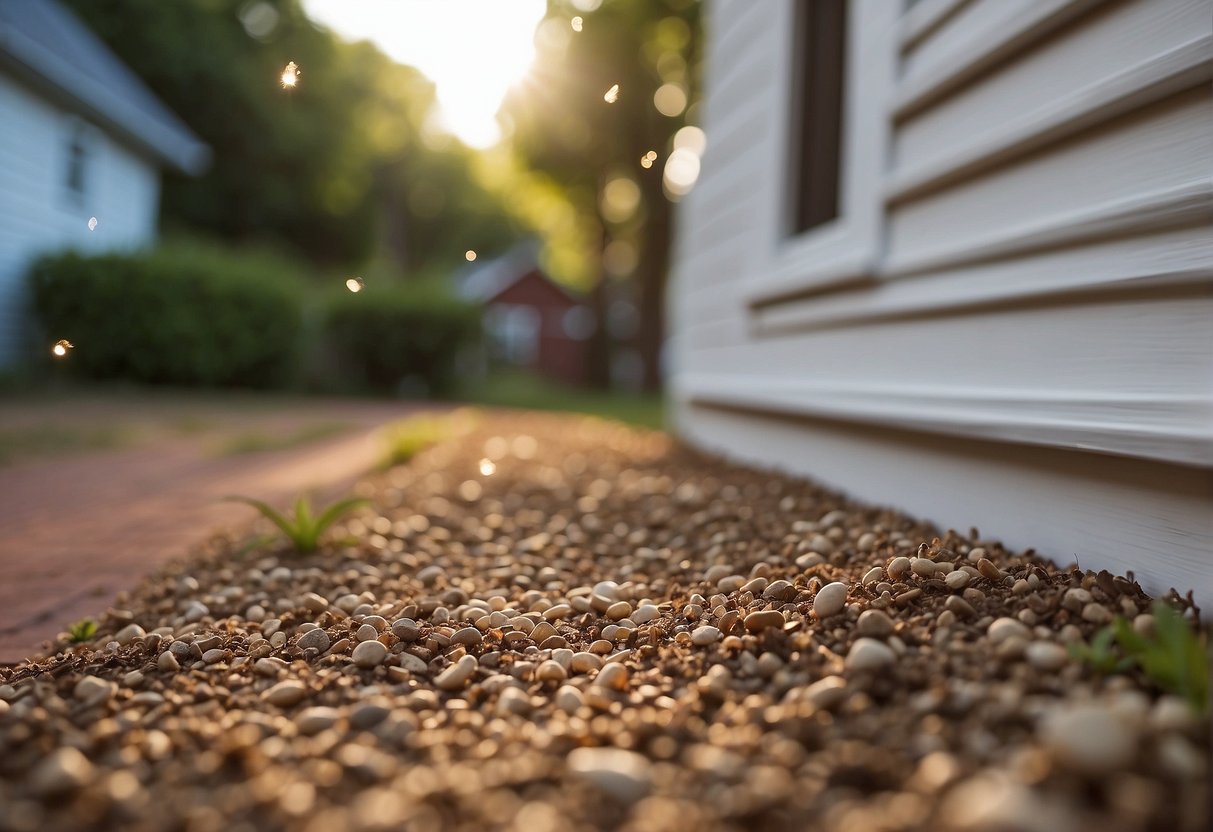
x=989, y=571
x=869, y=654
x=1045, y=655
x=584, y=662
x=613, y=676
x=874, y=624
x=514, y=700
x=313, y=602
x=551, y=671
x=195, y=611
x=468, y=637
x=703, y=636
x=128, y=634
x=756, y=622
x=959, y=607
x=366, y=715
x=1180, y=758
x=873, y=575
x=313, y=639
x=406, y=629
x=1089, y=738
x=1172, y=714
x=92, y=690
x=366, y=632
x=1004, y=628
x=286, y=693
x=269, y=666
x=457, y=675
x=63, y=770
x=922, y=567
x=624, y=775
x=956, y=580
x=619, y=610
x=542, y=632
x=311, y=721
x=827, y=693
x=992, y=801
x=830, y=599
x=568, y=699
x=369, y=654
x=168, y=662
x=1094, y=613
x=899, y=568
x=413, y=664
x=214, y=656
x=646, y=613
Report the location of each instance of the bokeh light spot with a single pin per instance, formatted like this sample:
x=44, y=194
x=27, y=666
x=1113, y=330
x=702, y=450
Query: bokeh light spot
x=290, y=75
x=611, y=95
x=354, y=284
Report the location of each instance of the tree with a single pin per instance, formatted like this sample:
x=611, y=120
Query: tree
x=562, y=125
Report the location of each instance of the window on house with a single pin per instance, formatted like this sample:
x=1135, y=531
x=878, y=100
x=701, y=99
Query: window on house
x=76, y=178
x=818, y=106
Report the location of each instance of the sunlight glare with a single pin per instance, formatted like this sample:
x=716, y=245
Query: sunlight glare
x=612, y=95
x=469, y=255
x=354, y=284
x=473, y=50
x=59, y=350
x=487, y=467
x=576, y=23
x=290, y=75
x=647, y=160
x=92, y=223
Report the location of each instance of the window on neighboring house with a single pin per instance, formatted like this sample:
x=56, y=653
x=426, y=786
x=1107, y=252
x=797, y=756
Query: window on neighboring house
x=76, y=178
x=821, y=37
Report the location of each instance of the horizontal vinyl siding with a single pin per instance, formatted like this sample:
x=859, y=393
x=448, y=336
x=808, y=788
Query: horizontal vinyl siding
x=1043, y=292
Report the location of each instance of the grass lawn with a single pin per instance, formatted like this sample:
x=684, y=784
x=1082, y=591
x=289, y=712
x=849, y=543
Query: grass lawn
x=528, y=392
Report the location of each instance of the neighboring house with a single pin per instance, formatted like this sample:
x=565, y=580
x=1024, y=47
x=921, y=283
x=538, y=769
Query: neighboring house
x=955, y=256
x=531, y=321
x=80, y=137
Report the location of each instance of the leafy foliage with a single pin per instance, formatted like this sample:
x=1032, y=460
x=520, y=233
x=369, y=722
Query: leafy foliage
x=305, y=528
x=82, y=631
x=336, y=168
x=179, y=315
x=386, y=336
x=1101, y=654
x=1174, y=656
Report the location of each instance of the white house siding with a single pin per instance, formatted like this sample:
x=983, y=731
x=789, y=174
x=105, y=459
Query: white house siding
x=38, y=213
x=1025, y=343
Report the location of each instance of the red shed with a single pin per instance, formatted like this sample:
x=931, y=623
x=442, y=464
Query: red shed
x=531, y=321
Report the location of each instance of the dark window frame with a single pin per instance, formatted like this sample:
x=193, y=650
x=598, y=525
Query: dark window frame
x=819, y=108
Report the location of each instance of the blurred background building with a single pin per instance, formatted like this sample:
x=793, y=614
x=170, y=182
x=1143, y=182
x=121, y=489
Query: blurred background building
x=955, y=256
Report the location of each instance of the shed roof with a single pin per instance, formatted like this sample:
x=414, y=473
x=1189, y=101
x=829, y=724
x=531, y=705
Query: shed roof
x=487, y=280
x=46, y=46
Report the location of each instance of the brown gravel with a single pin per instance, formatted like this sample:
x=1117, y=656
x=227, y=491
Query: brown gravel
x=608, y=632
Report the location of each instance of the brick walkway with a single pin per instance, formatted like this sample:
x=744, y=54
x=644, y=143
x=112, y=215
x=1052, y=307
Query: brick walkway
x=77, y=530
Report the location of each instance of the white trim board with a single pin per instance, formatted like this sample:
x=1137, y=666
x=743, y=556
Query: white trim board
x=1171, y=428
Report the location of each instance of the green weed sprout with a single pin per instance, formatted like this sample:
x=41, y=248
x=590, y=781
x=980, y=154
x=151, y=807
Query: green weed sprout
x=304, y=529
x=1101, y=654
x=1175, y=657
x=411, y=436
x=81, y=631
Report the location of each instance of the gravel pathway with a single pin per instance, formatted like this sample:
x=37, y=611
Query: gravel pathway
x=558, y=624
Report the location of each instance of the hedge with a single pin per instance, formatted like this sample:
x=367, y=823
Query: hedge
x=387, y=336
x=177, y=315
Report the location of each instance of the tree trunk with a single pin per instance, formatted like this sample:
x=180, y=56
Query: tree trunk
x=650, y=277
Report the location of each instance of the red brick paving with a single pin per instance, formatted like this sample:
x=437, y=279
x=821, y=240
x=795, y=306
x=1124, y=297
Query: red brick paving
x=75, y=531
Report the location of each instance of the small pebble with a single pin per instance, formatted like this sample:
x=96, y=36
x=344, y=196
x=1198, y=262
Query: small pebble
x=1045, y=655
x=623, y=775
x=874, y=623
x=1089, y=738
x=63, y=770
x=869, y=654
x=128, y=634
x=370, y=654
x=703, y=636
x=1005, y=628
x=830, y=599
x=286, y=693
x=313, y=639
x=457, y=675
x=828, y=692
x=763, y=620
x=311, y=721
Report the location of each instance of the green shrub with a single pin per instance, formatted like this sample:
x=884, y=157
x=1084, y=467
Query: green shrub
x=386, y=336
x=188, y=315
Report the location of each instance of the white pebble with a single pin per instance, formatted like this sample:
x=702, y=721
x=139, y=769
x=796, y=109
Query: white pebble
x=63, y=770
x=703, y=636
x=830, y=599
x=314, y=720
x=128, y=634
x=317, y=639
x=1089, y=738
x=1004, y=628
x=869, y=654
x=285, y=694
x=624, y=775
x=370, y=654
x=457, y=675
x=828, y=692
x=1045, y=655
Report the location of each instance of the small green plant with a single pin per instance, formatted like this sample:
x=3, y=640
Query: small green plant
x=305, y=528
x=406, y=439
x=81, y=631
x=1175, y=657
x=1101, y=654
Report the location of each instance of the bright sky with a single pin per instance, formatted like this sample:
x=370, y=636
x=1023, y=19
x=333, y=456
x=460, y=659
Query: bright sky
x=473, y=50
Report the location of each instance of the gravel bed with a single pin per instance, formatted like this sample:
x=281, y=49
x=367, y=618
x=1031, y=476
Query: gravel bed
x=558, y=623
